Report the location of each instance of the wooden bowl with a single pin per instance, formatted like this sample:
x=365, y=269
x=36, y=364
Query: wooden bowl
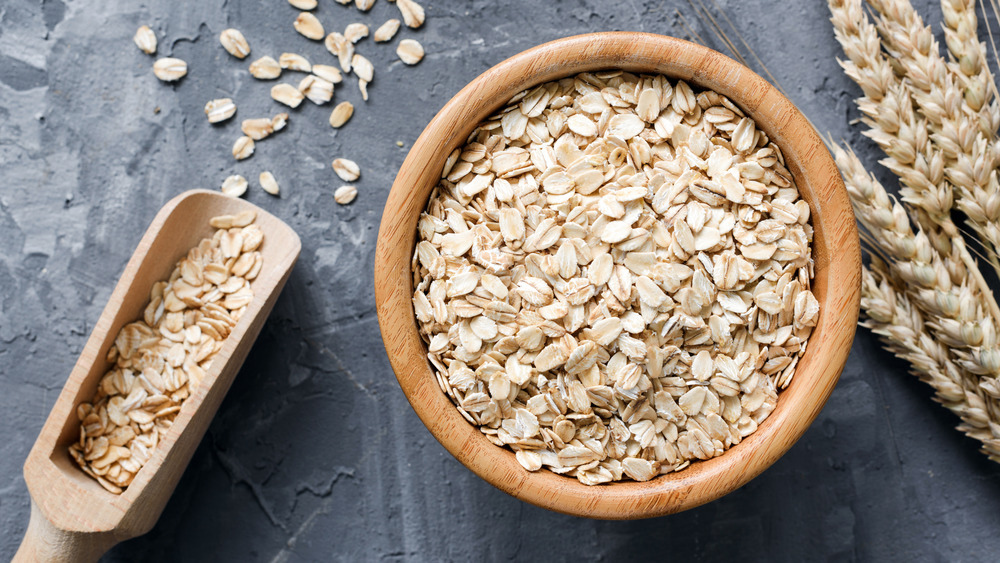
x=836, y=251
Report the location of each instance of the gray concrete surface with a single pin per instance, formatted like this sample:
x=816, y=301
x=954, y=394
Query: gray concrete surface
x=315, y=454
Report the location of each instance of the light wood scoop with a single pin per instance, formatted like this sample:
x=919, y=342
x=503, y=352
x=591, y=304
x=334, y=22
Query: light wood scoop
x=72, y=517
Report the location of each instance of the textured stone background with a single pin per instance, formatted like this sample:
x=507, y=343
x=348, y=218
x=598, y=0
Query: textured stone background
x=315, y=454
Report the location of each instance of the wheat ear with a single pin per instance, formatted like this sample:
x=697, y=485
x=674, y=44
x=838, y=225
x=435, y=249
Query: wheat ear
x=938, y=284
x=969, y=155
x=969, y=63
x=903, y=136
x=888, y=112
x=901, y=327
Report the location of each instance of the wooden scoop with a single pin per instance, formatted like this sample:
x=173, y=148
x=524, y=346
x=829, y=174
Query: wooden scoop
x=73, y=518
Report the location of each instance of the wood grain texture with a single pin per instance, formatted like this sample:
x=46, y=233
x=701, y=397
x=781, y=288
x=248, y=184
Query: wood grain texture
x=836, y=251
x=73, y=518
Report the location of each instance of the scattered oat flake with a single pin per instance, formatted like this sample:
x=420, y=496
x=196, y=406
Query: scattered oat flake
x=287, y=94
x=292, y=61
x=303, y=4
x=410, y=51
x=345, y=194
x=340, y=47
x=257, y=128
x=386, y=31
x=268, y=183
x=234, y=186
x=169, y=69
x=355, y=32
x=145, y=40
x=364, y=5
x=234, y=43
x=279, y=121
x=363, y=68
x=220, y=110
x=348, y=170
x=243, y=148
x=265, y=68
x=413, y=13
x=341, y=114
x=329, y=73
x=363, y=86
x=309, y=26
x=318, y=91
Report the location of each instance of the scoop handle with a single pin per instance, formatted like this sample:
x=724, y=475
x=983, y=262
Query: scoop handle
x=45, y=543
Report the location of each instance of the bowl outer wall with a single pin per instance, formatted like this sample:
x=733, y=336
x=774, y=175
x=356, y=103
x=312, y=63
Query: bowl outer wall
x=836, y=252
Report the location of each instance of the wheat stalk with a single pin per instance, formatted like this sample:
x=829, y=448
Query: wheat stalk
x=901, y=327
x=938, y=284
x=968, y=62
x=970, y=158
x=902, y=135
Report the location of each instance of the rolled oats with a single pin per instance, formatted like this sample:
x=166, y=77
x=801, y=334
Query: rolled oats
x=329, y=73
x=268, y=183
x=345, y=194
x=413, y=13
x=309, y=26
x=386, y=31
x=292, y=61
x=612, y=276
x=363, y=68
x=145, y=40
x=169, y=69
x=159, y=360
x=341, y=113
x=340, y=47
x=234, y=186
x=355, y=32
x=220, y=110
x=318, y=90
x=234, y=43
x=348, y=170
x=410, y=51
x=266, y=68
x=243, y=148
x=287, y=94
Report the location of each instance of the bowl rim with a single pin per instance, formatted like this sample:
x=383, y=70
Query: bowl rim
x=836, y=250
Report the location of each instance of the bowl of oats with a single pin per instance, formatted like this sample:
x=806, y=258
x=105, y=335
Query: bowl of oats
x=618, y=275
